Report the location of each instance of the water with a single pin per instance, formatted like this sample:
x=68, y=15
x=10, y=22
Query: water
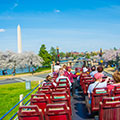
x=18, y=70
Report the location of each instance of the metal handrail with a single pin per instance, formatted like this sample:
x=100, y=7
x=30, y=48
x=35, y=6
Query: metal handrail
x=18, y=104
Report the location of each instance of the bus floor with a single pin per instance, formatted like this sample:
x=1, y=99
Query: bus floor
x=79, y=110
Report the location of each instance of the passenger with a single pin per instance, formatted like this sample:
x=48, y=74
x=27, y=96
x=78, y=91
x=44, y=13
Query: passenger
x=61, y=75
x=100, y=69
x=93, y=69
x=48, y=79
x=64, y=67
x=57, y=67
x=71, y=76
x=97, y=84
x=116, y=77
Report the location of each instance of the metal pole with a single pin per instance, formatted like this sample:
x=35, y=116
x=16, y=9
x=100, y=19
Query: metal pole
x=58, y=56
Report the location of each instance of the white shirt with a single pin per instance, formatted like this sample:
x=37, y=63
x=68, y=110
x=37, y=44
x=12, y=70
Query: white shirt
x=57, y=67
x=62, y=78
x=100, y=85
x=93, y=73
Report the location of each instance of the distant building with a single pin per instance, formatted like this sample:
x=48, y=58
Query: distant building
x=75, y=53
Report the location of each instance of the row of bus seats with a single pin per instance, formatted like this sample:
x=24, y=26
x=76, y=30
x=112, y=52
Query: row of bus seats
x=104, y=101
x=49, y=103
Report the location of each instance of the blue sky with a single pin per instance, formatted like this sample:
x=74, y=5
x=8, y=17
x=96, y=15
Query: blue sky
x=73, y=25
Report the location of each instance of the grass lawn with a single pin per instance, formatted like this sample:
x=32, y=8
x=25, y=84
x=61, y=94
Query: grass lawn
x=9, y=96
x=42, y=69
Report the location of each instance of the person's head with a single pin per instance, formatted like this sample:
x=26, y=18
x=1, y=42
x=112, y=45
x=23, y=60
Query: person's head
x=57, y=63
x=100, y=69
x=98, y=77
x=48, y=78
x=61, y=73
x=116, y=76
x=93, y=68
x=64, y=66
x=60, y=69
x=69, y=69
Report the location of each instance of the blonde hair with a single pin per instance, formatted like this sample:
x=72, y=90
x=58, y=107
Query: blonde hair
x=116, y=76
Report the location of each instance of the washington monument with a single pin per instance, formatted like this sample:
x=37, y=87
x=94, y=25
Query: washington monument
x=19, y=39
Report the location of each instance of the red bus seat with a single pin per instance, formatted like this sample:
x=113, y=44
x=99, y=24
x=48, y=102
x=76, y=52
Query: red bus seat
x=57, y=112
x=63, y=84
x=30, y=113
x=116, y=91
x=63, y=80
x=86, y=84
x=62, y=89
x=46, y=90
x=86, y=79
x=82, y=76
x=110, y=108
x=97, y=95
x=61, y=97
x=41, y=100
x=49, y=84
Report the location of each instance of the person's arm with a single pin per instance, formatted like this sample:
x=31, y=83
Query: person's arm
x=69, y=81
x=89, y=95
x=75, y=76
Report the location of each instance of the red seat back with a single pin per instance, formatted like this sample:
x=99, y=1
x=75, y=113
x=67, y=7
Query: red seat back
x=116, y=91
x=82, y=76
x=46, y=90
x=62, y=89
x=49, y=84
x=57, y=112
x=63, y=84
x=110, y=108
x=63, y=80
x=40, y=100
x=30, y=113
x=97, y=96
x=61, y=97
x=86, y=84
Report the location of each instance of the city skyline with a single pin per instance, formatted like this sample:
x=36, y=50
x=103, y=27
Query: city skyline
x=72, y=25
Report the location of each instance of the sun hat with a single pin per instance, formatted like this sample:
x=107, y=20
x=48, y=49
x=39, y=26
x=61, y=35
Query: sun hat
x=98, y=75
x=85, y=69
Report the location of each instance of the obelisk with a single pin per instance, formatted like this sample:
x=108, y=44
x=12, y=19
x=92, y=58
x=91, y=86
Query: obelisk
x=19, y=39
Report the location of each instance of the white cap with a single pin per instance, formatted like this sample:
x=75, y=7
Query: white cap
x=85, y=69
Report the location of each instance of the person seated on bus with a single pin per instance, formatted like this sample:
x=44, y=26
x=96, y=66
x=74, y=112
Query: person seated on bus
x=93, y=71
x=116, y=78
x=61, y=75
x=64, y=67
x=70, y=75
x=57, y=67
x=97, y=84
x=48, y=79
x=100, y=69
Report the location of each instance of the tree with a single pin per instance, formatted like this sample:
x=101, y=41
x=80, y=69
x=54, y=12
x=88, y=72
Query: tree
x=62, y=54
x=12, y=60
x=45, y=55
x=53, y=53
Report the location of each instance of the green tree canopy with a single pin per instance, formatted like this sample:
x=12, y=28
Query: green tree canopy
x=62, y=54
x=53, y=53
x=45, y=55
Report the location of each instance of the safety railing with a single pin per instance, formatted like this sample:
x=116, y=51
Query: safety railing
x=13, y=117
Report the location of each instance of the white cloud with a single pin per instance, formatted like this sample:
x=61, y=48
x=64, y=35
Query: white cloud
x=15, y=5
x=57, y=11
x=2, y=30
